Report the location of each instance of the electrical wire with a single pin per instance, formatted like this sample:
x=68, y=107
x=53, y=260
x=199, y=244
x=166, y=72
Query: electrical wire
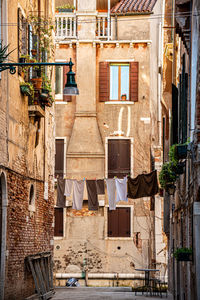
x=136, y=18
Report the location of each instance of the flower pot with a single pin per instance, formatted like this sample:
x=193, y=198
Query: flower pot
x=184, y=256
x=44, y=94
x=25, y=90
x=180, y=168
x=181, y=151
x=65, y=9
x=37, y=83
x=170, y=188
x=34, y=52
x=22, y=59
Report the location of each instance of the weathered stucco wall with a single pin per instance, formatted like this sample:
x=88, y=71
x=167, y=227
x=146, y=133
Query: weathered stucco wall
x=87, y=123
x=26, y=157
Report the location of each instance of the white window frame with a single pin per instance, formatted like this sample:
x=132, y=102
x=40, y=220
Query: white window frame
x=60, y=96
x=65, y=153
x=131, y=223
x=106, y=152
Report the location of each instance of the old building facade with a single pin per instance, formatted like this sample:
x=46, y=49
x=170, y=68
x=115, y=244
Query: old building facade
x=116, y=50
x=26, y=154
x=182, y=208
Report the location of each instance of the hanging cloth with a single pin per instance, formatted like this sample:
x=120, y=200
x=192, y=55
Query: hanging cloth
x=60, y=192
x=121, y=187
x=100, y=187
x=143, y=185
x=78, y=194
x=111, y=190
x=68, y=187
x=93, y=203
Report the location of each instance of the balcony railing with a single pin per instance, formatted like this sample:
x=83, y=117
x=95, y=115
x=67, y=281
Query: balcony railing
x=104, y=27
x=66, y=26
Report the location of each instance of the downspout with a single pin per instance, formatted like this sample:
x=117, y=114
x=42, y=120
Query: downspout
x=108, y=20
x=4, y=37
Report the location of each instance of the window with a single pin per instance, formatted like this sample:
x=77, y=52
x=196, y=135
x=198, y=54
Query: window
x=31, y=198
x=119, y=163
x=118, y=81
x=60, y=157
x=58, y=217
x=60, y=81
x=119, y=222
x=22, y=34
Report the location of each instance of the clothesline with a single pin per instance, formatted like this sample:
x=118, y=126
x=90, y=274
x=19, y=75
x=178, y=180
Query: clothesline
x=118, y=189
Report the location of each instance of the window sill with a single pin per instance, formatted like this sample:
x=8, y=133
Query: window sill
x=119, y=102
x=60, y=102
x=56, y=238
x=119, y=238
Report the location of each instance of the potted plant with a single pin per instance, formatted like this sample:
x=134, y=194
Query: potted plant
x=181, y=151
x=65, y=8
x=43, y=28
x=27, y=89
x=3, y=52
x=167, y=175
x=183, y=254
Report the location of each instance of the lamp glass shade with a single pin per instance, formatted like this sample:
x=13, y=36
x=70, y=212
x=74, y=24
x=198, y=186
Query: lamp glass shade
x=70, y=91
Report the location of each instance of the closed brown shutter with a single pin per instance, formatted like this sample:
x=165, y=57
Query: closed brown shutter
x=134, y=69
x=59, y=158
x=113, y=223
x=104, y=81
x=58, y=215
x=65, y=71
x=119, y=222
x=118, y=158
x=124, y=222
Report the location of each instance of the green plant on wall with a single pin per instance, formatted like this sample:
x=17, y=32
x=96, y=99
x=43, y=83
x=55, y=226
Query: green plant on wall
x=65, y=7
x=183, y=254
x=42, y=27
x=167, y=174
x=3, y=52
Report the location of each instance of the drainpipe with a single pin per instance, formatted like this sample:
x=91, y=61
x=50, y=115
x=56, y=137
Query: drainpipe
x=108, y=20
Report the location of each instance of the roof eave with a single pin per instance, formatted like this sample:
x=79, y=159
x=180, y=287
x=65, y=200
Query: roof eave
x=132, y=13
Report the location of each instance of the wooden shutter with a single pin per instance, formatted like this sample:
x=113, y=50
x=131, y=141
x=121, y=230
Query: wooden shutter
x=124, y=222
x=104, y=81
x=134, y=70
x=174, y=114
x=119, y=222
x=65, y=71
x=58, y=216
x=118, y=158
x=113, y=223
x=59, y=158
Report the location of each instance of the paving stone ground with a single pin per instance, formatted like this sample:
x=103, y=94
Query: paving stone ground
x=101, y=293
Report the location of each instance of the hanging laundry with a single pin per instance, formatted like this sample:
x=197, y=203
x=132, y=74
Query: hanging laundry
x=121, y=187
x=78, y=194
x=93, y=203
x=68, y=187
x=100, y=187
x=143, y=185
x=60, y=192
x=111, y=190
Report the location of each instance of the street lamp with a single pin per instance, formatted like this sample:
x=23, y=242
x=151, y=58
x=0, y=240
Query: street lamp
x=70, y=86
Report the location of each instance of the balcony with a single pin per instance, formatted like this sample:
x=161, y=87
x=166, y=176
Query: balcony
x=66, y=26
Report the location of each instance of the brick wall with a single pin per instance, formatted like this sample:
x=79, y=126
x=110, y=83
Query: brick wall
x=28, y=233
